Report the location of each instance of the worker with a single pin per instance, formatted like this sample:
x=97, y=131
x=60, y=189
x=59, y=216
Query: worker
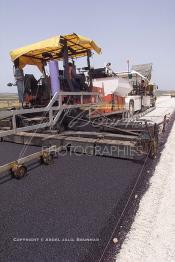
x=29, y=99
x=72, y=75
x=19, y=77
x=142, y=88
x=71, y=71
x=108, y=69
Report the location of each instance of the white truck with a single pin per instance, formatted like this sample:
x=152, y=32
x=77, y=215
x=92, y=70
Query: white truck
x=135, y=88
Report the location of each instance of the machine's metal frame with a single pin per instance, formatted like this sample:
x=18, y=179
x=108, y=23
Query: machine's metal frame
x=50, y=108
x=18, y=168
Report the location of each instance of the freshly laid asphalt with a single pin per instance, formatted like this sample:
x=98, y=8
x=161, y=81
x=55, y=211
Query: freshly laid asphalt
x=75, y=197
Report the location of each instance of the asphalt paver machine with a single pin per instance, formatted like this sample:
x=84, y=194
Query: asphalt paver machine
x=69, y=102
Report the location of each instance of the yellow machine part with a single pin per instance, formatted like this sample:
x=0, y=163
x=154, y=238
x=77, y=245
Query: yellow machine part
x=32, y=54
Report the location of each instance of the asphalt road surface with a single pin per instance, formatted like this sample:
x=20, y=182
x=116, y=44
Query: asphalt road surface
x=77, y=198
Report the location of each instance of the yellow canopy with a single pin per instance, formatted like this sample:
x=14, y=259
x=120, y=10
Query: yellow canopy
x=33, y=54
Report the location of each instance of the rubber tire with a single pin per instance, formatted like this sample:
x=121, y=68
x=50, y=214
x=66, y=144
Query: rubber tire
x=20, y=172
x=47, y=160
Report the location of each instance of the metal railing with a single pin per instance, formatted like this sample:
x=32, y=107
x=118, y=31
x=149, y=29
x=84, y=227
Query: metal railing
x=50, y=109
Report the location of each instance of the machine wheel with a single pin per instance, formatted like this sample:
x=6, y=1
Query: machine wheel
x=46, y=158
x=131, y=108
x=19, y=171
x=153, y=104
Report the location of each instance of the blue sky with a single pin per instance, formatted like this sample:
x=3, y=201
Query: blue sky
x=141, y=31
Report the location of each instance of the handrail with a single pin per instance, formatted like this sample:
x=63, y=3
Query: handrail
x=6, y=114
x=30, y=110
x=49, y=108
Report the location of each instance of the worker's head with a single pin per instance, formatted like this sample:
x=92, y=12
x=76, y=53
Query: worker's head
x=108, y=64
x=47, y=55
